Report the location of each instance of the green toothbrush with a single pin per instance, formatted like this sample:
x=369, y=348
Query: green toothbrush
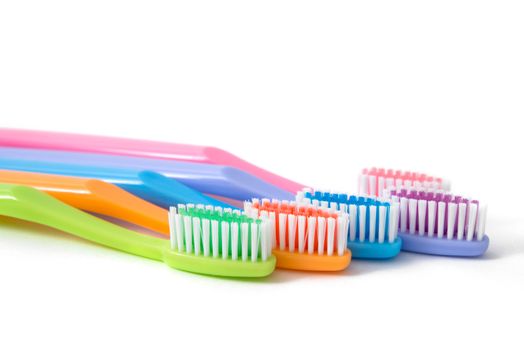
x=203, y=240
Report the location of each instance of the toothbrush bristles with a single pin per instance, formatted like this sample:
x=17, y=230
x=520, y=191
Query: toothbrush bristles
x=219, y=233
x=297, y=227
x=433, y=213
x=376, y=181
x=369, y=219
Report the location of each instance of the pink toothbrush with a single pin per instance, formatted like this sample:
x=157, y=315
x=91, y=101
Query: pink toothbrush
x=139, y=148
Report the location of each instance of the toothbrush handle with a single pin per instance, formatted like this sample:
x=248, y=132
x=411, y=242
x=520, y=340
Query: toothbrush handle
x=29, y=204
x=140, y=148
x=95, y=196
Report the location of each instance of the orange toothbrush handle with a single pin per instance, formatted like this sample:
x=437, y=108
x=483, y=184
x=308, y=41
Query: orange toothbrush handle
x=95, y=196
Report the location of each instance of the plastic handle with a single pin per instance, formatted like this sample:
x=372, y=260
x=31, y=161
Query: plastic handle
x=207, y=178
x=141, y=148
x=152, y=187
x=29, y=204
x=95, y=196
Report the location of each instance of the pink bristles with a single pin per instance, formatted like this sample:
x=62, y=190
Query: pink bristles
x=373, y=181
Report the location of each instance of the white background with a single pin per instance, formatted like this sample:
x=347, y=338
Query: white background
x=313, y=90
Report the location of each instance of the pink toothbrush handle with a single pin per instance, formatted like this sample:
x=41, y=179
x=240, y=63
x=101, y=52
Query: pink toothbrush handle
x=138, y=148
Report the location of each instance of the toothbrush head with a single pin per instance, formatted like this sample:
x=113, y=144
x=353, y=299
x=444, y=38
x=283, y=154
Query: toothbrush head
x=373, y=181
x=304, y=237
x=440, y=223
x=372, y=222
x=219, y=241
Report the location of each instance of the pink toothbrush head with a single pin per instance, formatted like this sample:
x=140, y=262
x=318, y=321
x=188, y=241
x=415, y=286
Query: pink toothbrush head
x=373, y=181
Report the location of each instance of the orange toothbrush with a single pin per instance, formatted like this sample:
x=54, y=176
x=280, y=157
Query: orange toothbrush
x=94, y=196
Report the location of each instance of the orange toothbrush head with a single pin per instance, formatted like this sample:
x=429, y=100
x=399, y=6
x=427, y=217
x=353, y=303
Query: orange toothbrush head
x=304, y=237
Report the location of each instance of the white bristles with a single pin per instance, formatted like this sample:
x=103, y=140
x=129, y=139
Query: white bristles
x=248, y=207
x=321, y=234
x=372, y=185
x=472, y=217
x=188, y=234
x=412, y=207
x=225, y=239
x=440, y=219
x=282, y=231
x=179, y=227
x=363, y=184
x=245, y=240
x=234, y=240
x=254, y=241
x=291, y=231
x=461, y=220
x=403, y=214
x=205, y=236
x=422, y=204
x=390, y=182
x=273, y=231
x=393, y=222
x=372, y=222
x=264, y=242
x=211, y=208
x=352, y=222
x=342, y=234
x=301, y=233
x=311, y=229
x=381, y=223
x=214, y=238
x=362, y=223
x=172, y=230
x=331, y=225
x=432, y=211
x=452, y=215
x=196, y=235
x=481, y=226
x=381, y=185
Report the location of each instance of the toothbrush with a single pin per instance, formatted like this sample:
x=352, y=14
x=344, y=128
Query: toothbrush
x=372, y=222
x=217, y=180
x=94, y=196
x=372, y=182
x=141, y=148
x=253, y=260
x=439, y=223
x=148, y=185
x=304, y=237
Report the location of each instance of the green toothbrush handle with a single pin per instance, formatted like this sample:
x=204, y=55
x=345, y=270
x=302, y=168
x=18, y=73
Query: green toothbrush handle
x=32, y=205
